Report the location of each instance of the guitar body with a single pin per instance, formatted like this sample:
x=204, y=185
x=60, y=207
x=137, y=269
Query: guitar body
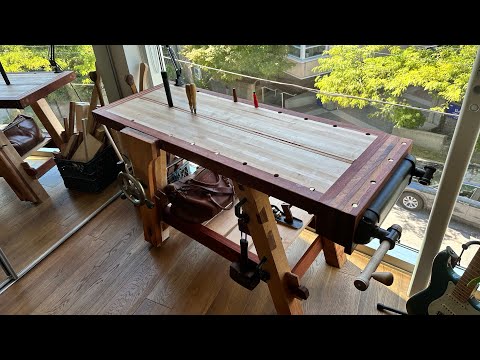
x=437, y=298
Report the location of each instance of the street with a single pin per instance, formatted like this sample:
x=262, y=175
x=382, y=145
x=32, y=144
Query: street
x=414, y=225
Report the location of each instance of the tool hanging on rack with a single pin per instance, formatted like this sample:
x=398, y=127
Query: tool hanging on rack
x=4, y=74
x=51, y=58
x=178, y=69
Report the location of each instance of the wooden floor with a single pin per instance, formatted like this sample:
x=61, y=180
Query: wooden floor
x=107, y=268
x=28, y=230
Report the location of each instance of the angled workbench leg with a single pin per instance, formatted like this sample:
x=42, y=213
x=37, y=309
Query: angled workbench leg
x=49, y=120
x=334, y=253
x=265, y=236
x=26, y=187
x=147, y=159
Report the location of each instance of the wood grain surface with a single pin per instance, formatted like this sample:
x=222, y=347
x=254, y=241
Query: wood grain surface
x=322, y=167
x=28, y=87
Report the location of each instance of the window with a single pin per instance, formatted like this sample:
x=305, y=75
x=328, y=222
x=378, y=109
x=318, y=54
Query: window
x=431, y=132
x=294, y=50
x=467, y=190
x=314, y=50
x=304, y=52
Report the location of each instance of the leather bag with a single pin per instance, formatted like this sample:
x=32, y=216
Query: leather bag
x=23, y=133
x=200, y=196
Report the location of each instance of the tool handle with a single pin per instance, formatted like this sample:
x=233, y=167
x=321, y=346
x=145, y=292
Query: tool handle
x=166, y=85
x=193, y=93
x=189, y=94
x=363, y=280
x=4, y=75
x=143, y=76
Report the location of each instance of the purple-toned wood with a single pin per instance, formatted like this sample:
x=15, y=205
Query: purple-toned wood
x=209, y=238
x=35, y=93
x=308, y=257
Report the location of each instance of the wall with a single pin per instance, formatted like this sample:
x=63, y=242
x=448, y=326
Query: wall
x=425, y=139
x=302, y=69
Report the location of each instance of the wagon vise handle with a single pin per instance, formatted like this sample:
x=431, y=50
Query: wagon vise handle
x=388, y=238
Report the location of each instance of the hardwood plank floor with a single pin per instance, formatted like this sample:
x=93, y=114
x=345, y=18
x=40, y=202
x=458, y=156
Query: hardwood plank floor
x=107, y=268
x=28, y=230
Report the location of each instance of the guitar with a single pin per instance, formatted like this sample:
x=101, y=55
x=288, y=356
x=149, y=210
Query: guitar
x=448, y=293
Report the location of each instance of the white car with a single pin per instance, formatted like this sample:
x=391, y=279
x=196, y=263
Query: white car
x=416, y=197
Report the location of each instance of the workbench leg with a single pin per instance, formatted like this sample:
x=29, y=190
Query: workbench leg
x=11, y=169
x=334, y=253
x=142, y=149
x=265, y=236
x=49, y=120
x=155, y=230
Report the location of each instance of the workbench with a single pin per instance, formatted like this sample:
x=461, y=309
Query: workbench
x=30, y=89
x=330, y=172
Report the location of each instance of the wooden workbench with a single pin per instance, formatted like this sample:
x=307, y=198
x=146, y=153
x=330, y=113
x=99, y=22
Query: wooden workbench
x=29, y=89
x=323, y=168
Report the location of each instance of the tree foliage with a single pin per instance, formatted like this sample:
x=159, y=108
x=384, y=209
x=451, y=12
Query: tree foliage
x=384, y=72
x=266, y=61
x=20, y=58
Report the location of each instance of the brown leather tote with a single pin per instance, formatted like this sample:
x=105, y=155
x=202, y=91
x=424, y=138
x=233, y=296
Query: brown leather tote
x=200, y=196
x=23, y=133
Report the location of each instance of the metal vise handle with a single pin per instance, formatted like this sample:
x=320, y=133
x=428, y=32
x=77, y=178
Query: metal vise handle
x=363, y=280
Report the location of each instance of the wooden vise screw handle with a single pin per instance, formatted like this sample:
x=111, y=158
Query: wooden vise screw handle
x=363, y=280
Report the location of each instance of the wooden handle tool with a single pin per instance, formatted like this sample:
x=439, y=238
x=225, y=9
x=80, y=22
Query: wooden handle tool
x=71, y=119
x=143, y=76
x=189, y=96
x=93, y=75
x=193, y=94
x=131, y=82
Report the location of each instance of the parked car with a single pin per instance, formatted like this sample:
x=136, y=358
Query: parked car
x=416, y=197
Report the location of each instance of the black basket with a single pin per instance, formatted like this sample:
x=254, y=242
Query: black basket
x=92, y=176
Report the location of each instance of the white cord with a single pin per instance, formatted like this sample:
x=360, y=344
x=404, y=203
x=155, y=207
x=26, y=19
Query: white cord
x=320, y=92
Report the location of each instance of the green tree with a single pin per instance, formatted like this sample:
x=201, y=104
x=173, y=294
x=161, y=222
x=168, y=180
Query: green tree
x=78, y=58
x=266, y=61
x=366, y=71
x=20, y=58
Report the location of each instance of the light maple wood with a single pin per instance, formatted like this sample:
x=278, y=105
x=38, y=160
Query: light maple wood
x=49, y=120
x=140, y=150
x=155, y=230
x=81, y=112
x=142, y=85
x=87, y=150
x=26, y=187
x=265, y=235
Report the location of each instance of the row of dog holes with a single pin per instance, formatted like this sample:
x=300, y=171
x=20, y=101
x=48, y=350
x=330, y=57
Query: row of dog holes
x=373, y=182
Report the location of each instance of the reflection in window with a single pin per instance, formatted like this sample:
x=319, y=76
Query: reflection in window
x=314, y=50
x=294, y=50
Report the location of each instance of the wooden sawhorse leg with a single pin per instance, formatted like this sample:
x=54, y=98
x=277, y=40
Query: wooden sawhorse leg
x=150, y=167
x=26, y=187
x=265, y=236
x=49, y=120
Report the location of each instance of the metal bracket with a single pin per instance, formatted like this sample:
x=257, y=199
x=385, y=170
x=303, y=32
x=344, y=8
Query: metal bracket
x=285, y=217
